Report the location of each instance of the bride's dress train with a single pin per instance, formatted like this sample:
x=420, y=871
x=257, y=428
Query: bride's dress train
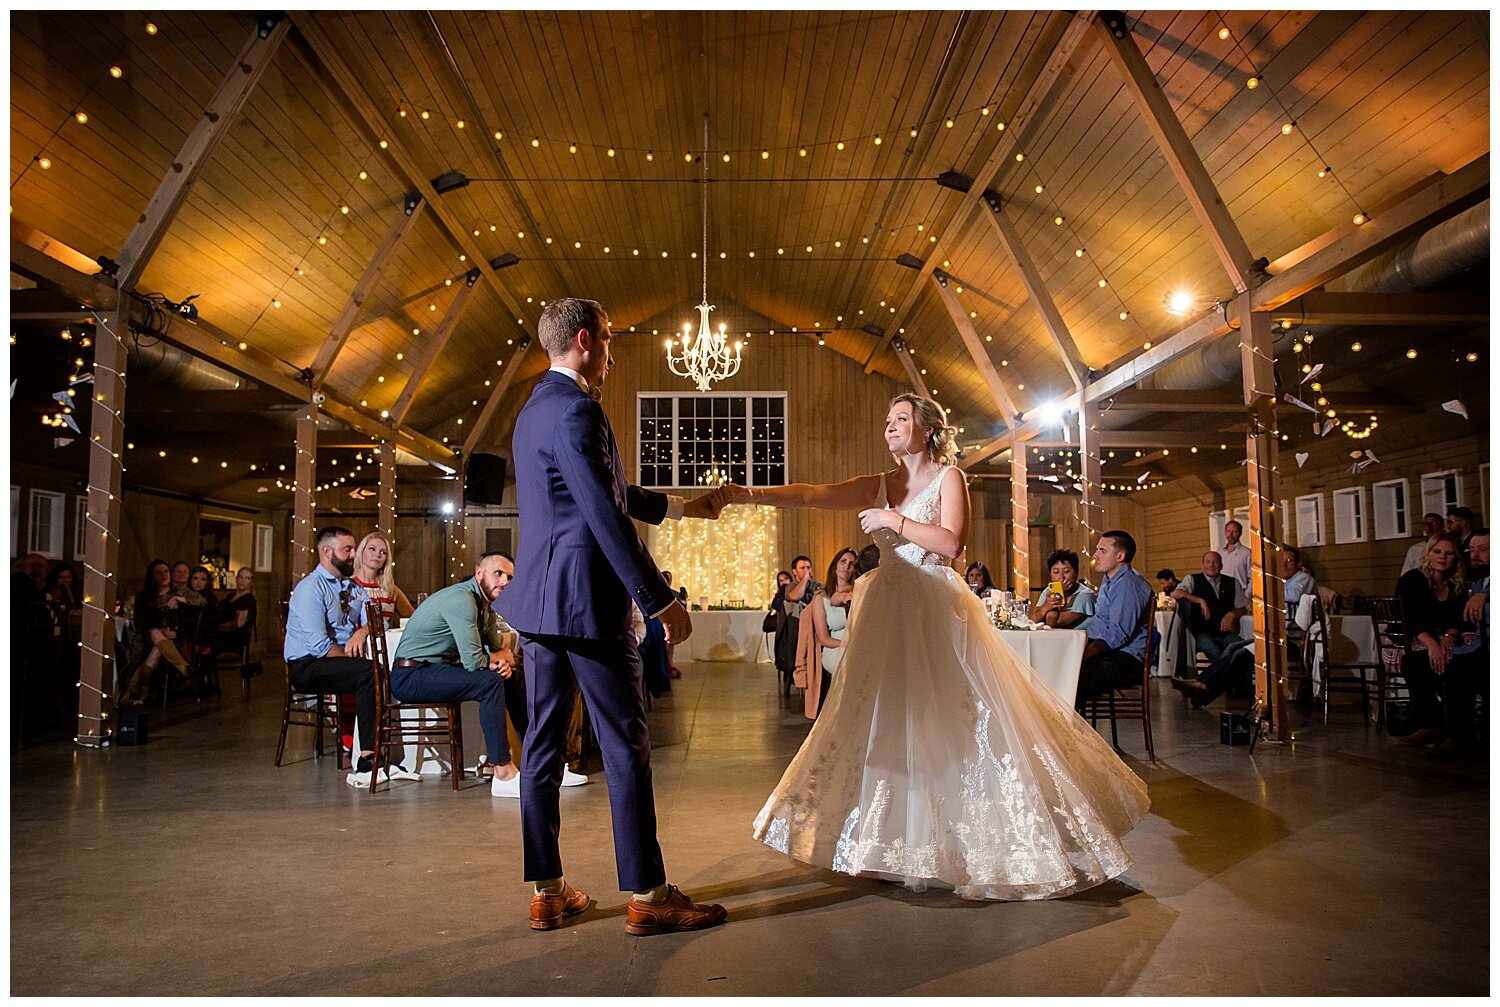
x=941, y=759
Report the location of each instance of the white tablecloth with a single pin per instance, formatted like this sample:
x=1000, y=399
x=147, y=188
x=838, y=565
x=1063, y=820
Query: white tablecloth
x=725, y=636
x=1055, y=654
x=1351, y=640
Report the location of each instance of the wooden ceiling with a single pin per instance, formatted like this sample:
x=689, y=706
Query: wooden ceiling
x=1385, y=98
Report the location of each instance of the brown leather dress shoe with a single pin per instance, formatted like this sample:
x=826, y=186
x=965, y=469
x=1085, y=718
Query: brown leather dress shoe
x=547, y=911
x=676, y=912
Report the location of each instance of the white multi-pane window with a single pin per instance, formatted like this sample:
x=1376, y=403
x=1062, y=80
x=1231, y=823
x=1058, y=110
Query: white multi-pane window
x=1392, y=509
x=690, y=440
x=1441, y=490
x=1310, y=524
x=1349, y=515
x=45, y=534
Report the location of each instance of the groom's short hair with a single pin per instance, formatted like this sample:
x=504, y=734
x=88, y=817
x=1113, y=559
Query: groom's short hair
x=562, y=319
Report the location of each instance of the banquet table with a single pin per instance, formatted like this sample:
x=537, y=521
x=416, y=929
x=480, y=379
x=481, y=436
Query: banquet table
x=1055, y=654
x=725, y=636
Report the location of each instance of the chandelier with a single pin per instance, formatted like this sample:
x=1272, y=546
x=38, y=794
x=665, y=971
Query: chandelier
x=706, y=357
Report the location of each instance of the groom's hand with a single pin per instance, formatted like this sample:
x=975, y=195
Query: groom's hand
x=676, y=624
x=706, y=506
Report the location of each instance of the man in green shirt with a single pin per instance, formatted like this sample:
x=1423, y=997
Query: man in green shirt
x=442, y=659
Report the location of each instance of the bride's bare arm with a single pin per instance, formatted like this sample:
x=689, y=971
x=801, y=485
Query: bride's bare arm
x=946, y=538
x=851, y=494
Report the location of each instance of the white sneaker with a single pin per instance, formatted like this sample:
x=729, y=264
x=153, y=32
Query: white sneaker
x=506, y=788
x=359, y=781
x=572, y=779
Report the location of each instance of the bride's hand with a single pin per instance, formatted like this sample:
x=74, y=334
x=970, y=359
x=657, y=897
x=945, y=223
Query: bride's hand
x=734, y=493
x=875, y=518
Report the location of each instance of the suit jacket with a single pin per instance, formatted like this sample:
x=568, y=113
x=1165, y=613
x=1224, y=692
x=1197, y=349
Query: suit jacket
x=579, y=562
x=809, y=673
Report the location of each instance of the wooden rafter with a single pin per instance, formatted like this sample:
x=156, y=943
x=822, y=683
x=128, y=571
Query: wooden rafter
x=913, y=372
x=1071, y=30
x=966, y=331
x=487, y=413
x=338, y=333
x=1327, y=307
x=1235, y=256
x=422, y=366
x=221, y=113
x=1036, y=289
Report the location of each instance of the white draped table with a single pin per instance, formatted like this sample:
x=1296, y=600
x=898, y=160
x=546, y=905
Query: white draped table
x=1055, y=654
x=725, y=636
x=1168, y=656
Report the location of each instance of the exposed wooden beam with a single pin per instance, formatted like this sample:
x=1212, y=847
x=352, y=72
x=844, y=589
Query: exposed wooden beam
x=981, y=357
x=1067, y=31
x=1150, y=400
x=1148, y=438
x=1036, y=289
x=56, y=266
x=1446, y=196
x=433, y=349
x=1090, y=475
x=211, y=403
x=305, y=476
x=338, y=333
x=221, y=113
x=1235, y=256
x=913, y=372
x=421, y=445
x=487, y=413
x=1327, y=307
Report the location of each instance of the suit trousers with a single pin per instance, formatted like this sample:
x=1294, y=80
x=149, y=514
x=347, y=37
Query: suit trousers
x=341, y=675
x=1110, y=669
x=446, y=683
x=608, y=673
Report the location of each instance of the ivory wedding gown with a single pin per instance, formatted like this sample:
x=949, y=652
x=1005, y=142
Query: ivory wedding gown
x=940, y=758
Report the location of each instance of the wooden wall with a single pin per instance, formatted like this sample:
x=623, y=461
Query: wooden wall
x=1177, y=514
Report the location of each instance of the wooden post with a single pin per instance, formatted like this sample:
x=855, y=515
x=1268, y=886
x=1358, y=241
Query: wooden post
x=302, y=495
x=385, y=505
x=1089, y=474
x=98, y=662
x=1266, y=593
x=1020, y=523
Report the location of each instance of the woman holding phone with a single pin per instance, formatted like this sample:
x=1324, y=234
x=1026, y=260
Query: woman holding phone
x=1067, y=603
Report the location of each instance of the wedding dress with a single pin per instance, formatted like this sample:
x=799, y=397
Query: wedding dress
x=940, y=758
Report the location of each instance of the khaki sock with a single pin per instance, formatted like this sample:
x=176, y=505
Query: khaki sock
x=655, y=896
x=552, y=886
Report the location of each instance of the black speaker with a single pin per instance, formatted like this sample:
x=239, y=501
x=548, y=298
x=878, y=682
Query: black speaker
x=484, y=479
x=130, y=729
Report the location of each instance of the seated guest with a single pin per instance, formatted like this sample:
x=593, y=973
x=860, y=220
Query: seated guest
x=869, y=558
x=1459, y=524
x=791, y=601
x=155, y=619
x=1296, y=581
x=62, y=587
x=772, y=622
x=1072, y=608
x=1215, y=602
x=1117, y=632
x=830, y=615
x=1234, y=671
x=1476, y=612
x=1432, y=526
x=442, y=659
x=1442, y=684
x=977, y=576
x=372, y=571
x=1166, y=581
x=325, y=639
x=237, y=614
x=1479, y=555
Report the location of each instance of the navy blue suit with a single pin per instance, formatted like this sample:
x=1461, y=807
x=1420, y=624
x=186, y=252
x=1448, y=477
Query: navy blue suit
x=579, y=565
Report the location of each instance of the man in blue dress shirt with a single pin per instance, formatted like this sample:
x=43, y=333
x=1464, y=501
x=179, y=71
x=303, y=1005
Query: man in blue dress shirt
x=325, y=638
x=1117, y=632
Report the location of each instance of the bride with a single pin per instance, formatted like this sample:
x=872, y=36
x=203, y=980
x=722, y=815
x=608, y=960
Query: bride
x=940, y=758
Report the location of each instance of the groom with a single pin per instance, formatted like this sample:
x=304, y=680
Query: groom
x=581, y=567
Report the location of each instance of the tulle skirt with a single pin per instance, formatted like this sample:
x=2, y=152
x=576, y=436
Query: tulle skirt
x=940, y=758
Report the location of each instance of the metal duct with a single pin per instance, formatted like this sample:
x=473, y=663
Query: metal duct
x=161, y=361
x=1449, y=248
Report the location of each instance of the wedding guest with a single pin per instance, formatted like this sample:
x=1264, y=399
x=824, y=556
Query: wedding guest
x=869, y=558
x=977, y=576
x=1215, y=602
x=1075, y=606
x=1432, y=526
x=155, y=619
x=1442, y=684
x=1296, y=581
x=1460, y=524
x=1479, y=555
x=773, y=620
x=791, y=601
x=1476, y=611
x=237, y=614
x=1234, y=556
x=182, y=572
x=325, y=639
x=1117, y=632
x=1167, y=581
x=372, y=571
x=62, y=587
x=830, y=616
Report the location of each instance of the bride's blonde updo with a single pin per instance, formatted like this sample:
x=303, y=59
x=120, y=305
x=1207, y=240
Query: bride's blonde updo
x=941, y=442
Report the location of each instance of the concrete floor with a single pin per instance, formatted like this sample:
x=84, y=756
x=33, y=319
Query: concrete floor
x=1339, y=864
